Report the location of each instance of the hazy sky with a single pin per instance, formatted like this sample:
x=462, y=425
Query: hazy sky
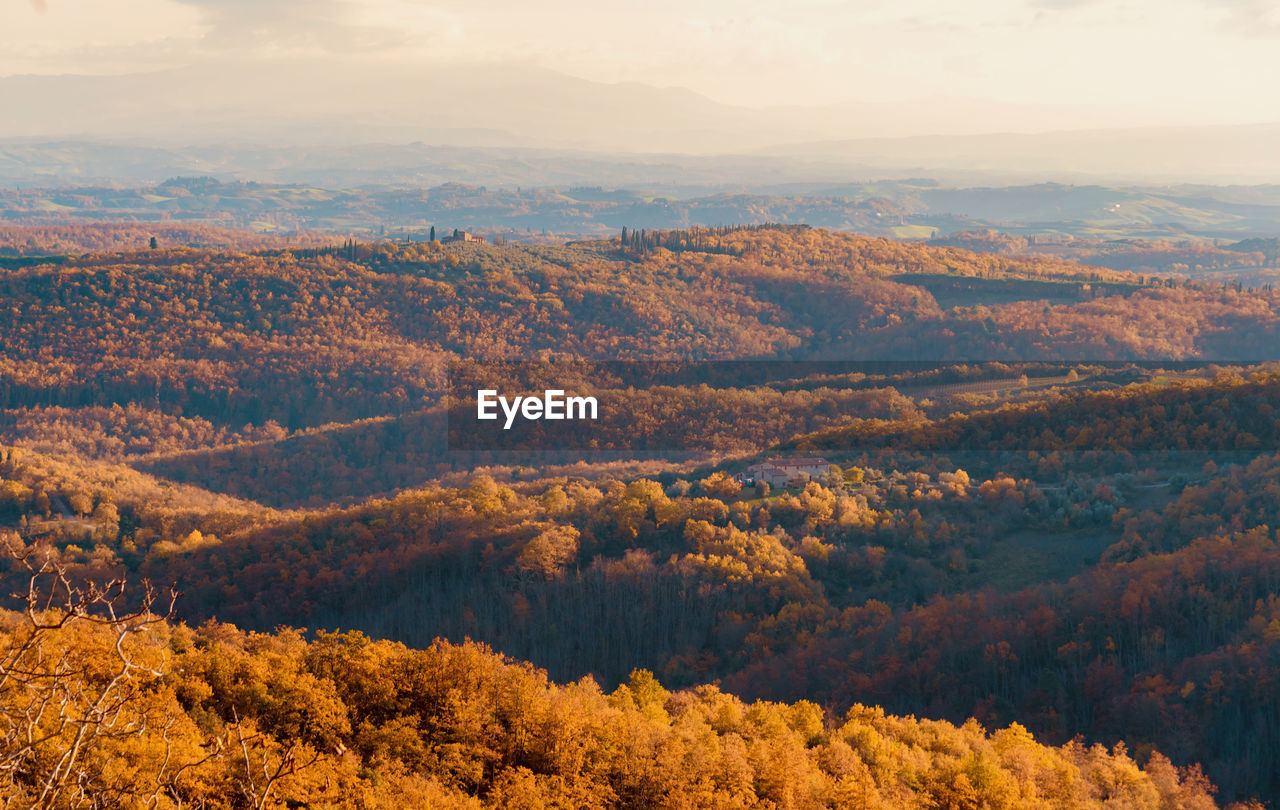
x=1117, y=61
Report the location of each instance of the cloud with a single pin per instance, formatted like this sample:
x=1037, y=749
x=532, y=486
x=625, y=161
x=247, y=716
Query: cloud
x=275, y=27
x=1254, y=18
x=1173, y=59
x=1060, y=5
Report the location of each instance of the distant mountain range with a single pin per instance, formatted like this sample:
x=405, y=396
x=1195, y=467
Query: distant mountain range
x=914, y=208
x=1223, y=154
x=300, y=122
x=956, y=162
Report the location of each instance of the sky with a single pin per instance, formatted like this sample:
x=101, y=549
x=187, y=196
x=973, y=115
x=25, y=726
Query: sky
x=1068, y=63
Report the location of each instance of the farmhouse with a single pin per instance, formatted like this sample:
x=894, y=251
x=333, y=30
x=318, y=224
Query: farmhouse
x=778, y=471
x=462, y=236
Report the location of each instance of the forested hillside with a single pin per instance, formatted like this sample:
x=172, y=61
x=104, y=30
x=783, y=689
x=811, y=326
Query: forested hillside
x=98, y=237
x=1020, y=524
x=336, y=335
x=1254, y=261
x=158, y=714
x=519, y=199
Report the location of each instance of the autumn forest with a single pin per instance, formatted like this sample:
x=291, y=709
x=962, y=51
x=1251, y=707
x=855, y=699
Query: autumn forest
x=259, y=557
